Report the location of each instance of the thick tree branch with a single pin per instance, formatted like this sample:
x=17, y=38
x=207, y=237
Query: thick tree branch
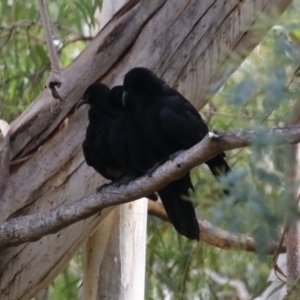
x=215, y=236
x=4, y=160
x=33, y=227
x=55, y=78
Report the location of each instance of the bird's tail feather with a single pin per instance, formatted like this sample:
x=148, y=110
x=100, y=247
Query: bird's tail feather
x=180, y=211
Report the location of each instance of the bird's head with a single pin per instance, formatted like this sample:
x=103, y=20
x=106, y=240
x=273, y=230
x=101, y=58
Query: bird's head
x=95, y=95
x=140, y=81
x=115, y=97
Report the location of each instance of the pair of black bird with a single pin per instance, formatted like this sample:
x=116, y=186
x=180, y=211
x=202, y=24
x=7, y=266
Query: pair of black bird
x=135, y=126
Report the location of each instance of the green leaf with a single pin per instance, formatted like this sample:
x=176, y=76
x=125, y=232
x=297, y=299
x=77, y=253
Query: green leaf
x=242, y=92
x=42, y=54
x=168, y=282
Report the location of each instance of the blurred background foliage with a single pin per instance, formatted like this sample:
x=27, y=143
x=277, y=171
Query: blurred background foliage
x=24, y=62
x=260, y=93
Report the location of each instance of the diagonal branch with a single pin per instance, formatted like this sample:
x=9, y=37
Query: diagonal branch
x=55, y=78
x=33, y=227
x=4, y=160
x=217, y=237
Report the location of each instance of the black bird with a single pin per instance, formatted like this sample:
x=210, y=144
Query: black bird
x=137, y=154
x=129, y=145
x=101, y=116
x=169, y=120
x=96, y=148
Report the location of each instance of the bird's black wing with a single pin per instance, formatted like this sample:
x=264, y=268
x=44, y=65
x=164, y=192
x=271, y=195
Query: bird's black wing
x=130, y=148
x=181, y=123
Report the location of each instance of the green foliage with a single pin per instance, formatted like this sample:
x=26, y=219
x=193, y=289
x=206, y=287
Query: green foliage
x=258, y=95
x=68, y=284
x=24, y=62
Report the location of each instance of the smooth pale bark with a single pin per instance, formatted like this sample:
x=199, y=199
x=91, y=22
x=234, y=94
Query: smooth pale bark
x=115, y=255
x=118, y=260
x=109, y=8
x=187, y=42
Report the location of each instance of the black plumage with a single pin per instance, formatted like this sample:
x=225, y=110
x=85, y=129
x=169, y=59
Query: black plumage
x=116, y=146
x=101, y=116
x=169, y=120
x=129, y=145
x=97, y=150
x=137, y=154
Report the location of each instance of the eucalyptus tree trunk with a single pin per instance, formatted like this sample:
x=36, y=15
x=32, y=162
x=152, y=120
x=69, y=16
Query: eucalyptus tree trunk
x=188, y=42
x=293, y=227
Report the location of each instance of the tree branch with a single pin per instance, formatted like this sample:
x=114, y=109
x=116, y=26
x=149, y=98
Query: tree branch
x=238, y=285
x=217, y=237
x=4, y=161
x=55, y=78
x=33, y=227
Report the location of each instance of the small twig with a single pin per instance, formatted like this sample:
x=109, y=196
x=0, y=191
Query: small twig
x=54, y=80
x=277, y=269
x=4, y=163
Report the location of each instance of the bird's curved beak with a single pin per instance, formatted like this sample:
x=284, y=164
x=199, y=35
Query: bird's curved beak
x=80, y=103
x=124, y=97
